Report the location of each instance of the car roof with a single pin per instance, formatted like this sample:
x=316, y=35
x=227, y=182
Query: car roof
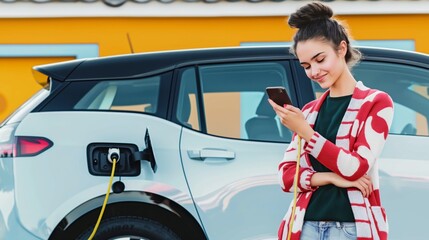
x=145, y=64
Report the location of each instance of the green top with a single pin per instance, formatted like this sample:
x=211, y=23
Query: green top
x=329, y=202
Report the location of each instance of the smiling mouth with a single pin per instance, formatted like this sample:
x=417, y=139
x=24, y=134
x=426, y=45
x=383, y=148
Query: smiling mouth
x=320, y=79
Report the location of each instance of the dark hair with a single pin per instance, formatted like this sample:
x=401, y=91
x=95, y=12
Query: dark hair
x=314, y=20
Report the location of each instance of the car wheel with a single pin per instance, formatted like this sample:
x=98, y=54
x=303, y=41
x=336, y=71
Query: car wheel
x=130, y=227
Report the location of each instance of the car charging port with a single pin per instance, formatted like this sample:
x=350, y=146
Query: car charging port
x=101, y=156
x=113, y=154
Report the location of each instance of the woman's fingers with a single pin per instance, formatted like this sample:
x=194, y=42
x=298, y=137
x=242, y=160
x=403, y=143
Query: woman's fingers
x=364, y=184
x=292, y=108
x=292, y=118
x=368, y=182
x=274, y=105
x=362, y=188
x=367, y=189
x=280, y=111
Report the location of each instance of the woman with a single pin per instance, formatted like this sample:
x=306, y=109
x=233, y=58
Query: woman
x=343, y=133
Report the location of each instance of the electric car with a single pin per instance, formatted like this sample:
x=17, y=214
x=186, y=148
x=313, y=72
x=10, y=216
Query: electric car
x=196, y=145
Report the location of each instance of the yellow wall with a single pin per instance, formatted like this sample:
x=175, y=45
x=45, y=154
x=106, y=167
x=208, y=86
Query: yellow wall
x=152, y=34
x=17, y=83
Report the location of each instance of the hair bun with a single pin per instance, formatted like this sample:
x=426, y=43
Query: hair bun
x=312, y=12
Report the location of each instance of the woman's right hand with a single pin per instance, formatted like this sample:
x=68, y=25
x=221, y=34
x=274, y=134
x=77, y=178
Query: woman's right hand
x=364, y=183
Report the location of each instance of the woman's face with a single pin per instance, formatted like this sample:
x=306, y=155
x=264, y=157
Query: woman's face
x=322, y=63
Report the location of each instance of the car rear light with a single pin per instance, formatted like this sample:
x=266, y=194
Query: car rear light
x=31, y=146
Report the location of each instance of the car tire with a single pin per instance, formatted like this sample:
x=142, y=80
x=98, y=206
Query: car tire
x=132, y=227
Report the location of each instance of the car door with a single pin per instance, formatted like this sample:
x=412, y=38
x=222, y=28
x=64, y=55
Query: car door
x=231, y=145
x=404, y=163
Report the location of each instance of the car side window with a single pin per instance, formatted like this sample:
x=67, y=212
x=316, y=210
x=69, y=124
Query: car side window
x=125, y=95
x=408, y=87
x=234, y=102
x=134, y=95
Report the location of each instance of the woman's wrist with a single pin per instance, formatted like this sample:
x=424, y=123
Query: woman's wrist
x=307, y=133
x=322, y=178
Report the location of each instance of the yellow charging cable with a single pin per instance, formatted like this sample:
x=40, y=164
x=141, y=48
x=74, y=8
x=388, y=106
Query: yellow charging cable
x=295, y=188
x=105, y=200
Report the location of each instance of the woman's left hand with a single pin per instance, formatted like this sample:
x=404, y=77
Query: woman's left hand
x=293, y=118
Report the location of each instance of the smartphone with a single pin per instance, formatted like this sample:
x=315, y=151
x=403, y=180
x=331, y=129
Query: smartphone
x=279, y=95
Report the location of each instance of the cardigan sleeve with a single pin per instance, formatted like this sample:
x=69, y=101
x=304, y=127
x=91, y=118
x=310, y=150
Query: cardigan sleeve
x=370, y=136
x=287, y=167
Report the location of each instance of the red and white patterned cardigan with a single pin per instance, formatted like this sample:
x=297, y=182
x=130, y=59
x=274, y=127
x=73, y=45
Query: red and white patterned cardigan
x=359, y=142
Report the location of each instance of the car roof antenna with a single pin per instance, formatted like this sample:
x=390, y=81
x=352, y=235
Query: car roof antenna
x=129, y=42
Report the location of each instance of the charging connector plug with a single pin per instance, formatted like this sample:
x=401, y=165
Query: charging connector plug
x=113, y=154
x=113, y=157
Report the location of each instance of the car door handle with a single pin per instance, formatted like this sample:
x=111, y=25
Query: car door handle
x=211, y=153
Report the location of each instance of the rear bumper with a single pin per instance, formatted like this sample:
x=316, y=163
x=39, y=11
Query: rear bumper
x=10, y=226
